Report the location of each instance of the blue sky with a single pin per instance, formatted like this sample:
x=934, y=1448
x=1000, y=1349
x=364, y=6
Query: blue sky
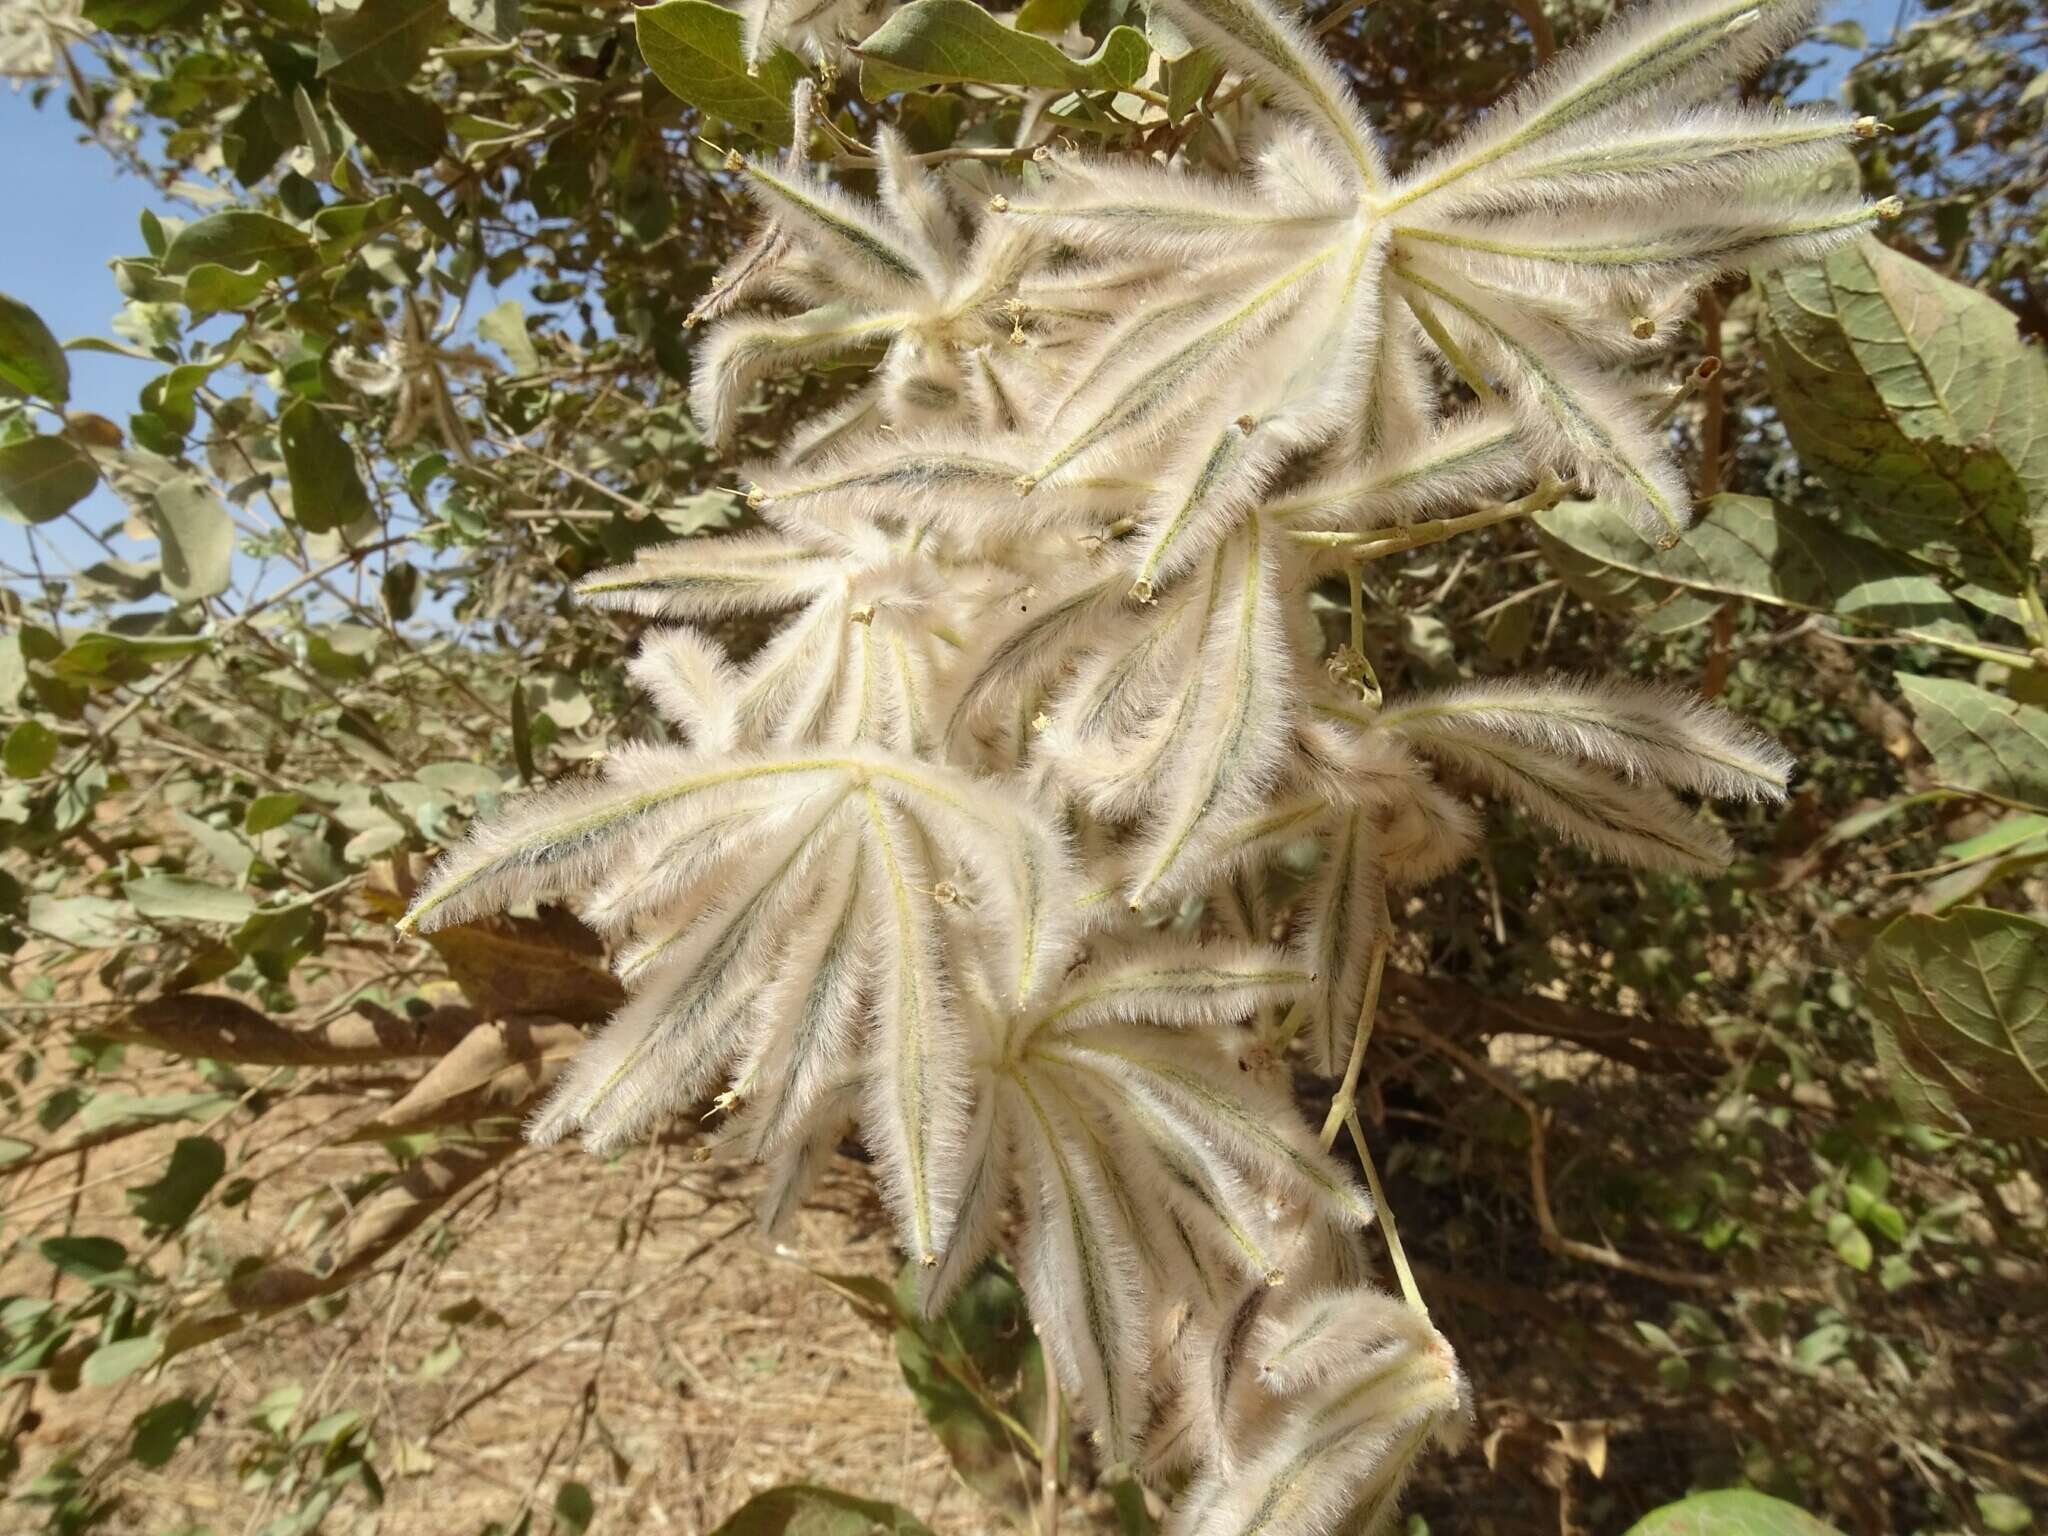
x=85, y=216
x=56, y=260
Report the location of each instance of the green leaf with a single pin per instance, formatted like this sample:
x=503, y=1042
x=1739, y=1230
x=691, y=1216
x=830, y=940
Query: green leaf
x=522, y=737
x=2010, y=832
x=118, y=1361
x=172, y=395
x=240, y=241
x=212, y=289
x=1958, y=1006
x=461, y=778
x=705, y=510
x=266, y=812
x=505, y=328
x=1886, y=1220
x=2003, y=1513
x=159, y=1431
x=976, y=1371
x=101, y=656
x=31, y=748
x=1188, y=80
x=1914, y=399
x=695, y=49
x=91, y=1259
x=1750, y=547
x=574, y=1509
x=801, y=1509
x=400, y=590
x=1050, y=16
x=1979, y=739
x=90, y=922
x=381, y=44
x=404, y=130
x=1850, y=1242
x=1133, y=1515
x=327, y=488
x=42, y=478
x=110, y=1109
x=948, y=42
x=179, y=898
x=197, y=1163
x=1825, y=1343
x=198, y=539
x=421, y=205
x=134, y=16
x=255, y=138
x=31, y=361
x=1735, y=1512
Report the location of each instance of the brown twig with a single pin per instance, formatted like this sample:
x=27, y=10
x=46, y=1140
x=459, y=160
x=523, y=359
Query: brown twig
x=1539, y=1178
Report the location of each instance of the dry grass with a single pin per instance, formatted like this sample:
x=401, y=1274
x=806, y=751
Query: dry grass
x=621, y=1325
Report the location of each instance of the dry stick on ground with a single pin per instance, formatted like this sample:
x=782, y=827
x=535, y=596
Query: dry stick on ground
x=486, y=1393
x=1539, y=1178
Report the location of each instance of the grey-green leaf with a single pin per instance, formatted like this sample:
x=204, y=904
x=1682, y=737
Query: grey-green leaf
x=946, y=42
x=380, y=44
x=31, y=361
x=198, y=539
x=1750, y=547
x=30, y=749
x=327, y=488
x=976, y=1370
x=1733, y=1512
x=160, y=1430
x=268, y=812
x=117, y=1361
x=404, y=130
x=696, y=49
x=1913, y=397
x=801, y=1509
x=1958, y=1006
x=43, y=478
x=143, y=16
x=167, y=1203
x=179, y=898
x=240, y=241
x=505, y=328
x=1979, y=739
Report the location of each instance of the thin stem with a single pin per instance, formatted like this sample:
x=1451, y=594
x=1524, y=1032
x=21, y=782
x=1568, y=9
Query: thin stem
x=1709, y=367
x=1339, y=16
x=1455, y=354
x=1049, y=1457
x=1395, y=1251
x=1347, y=1092
x=2033, y=612
x=1539, y=1178
x=2004, y=655
x=1380, y=543
x=1289, y=1026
